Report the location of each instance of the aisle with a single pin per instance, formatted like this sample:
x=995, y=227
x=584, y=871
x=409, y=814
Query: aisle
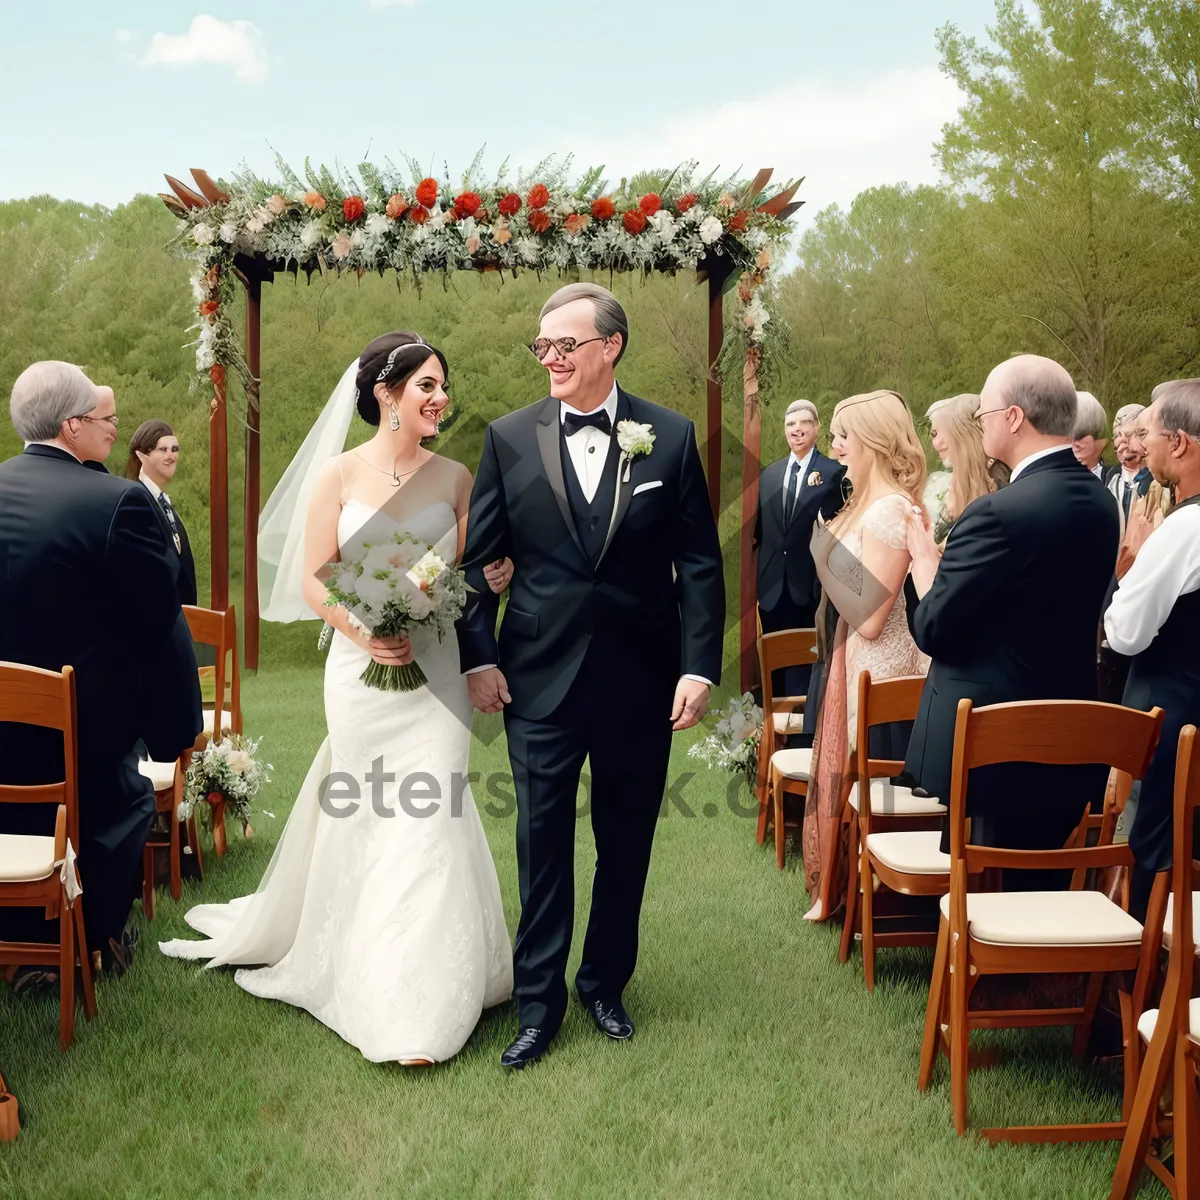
x=760, y=1067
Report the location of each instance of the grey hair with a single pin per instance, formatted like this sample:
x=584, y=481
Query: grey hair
x=803, y=406
x=1179, y=406
x=610, y=316
x=45, y=395
x=1126, y=413
x=1090, y=418
x=936, y=405
x=1047, y=398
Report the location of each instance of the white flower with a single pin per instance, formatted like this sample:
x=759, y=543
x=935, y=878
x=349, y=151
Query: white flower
x=437, y=218
x=663, y=224
x=384, y=556
x=197, y=287
x=634, y=438
x=378, y=224
x=742, y=727
x=710, y=230
x=528, y=249
x=417, y=600
x=358, y=237
x=374, y=593
x=202, y=235
x=755, y=318
x=241, y=761
x=311, y=234
x=228, y=231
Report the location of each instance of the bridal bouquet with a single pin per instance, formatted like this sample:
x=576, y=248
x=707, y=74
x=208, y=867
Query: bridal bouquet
x=392, y=587
x=230, y=769
x=733, y=743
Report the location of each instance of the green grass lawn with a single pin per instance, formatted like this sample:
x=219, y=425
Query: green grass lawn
x=760, y=1066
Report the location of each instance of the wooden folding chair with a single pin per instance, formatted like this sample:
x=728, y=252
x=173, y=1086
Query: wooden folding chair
x=10, y=1123
x=781, y=771
x=219, y=630
x=167, y=781
x=1173, y=1029
x=40, y=872
x=1001, y=933
x=896, y=838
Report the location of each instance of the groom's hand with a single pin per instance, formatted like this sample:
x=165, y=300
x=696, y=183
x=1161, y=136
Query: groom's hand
x=488, y=690
x=691, y=703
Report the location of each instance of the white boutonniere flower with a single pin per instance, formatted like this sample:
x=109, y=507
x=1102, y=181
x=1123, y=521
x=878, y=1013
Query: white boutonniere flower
x=814, y=479
x=633, y=439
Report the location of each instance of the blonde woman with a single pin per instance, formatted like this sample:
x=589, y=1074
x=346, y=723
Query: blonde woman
x=962, y=449
x=862, y=561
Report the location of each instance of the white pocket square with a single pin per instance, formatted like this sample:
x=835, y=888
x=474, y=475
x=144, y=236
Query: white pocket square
x=645, y=487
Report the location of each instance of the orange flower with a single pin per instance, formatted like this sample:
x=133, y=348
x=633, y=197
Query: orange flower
x=727, y=201
x=539, y=220
x=208, y=308
x=397, y=206
x=474, y=245
x=603, y=209
x=427, y=193
x=419, y=215
x=763, y=259
x=686, y=202
x=510, y=205
x=634, y=221
x=315, y=200
x=576, y=223
x=737, y=223
x=501, y=235
x=277, y=204
x=745, y=292
x=539, y=196
x=353, y=207
x=650, y=203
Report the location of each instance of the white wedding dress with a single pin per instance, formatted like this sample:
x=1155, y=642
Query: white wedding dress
x=390, y=930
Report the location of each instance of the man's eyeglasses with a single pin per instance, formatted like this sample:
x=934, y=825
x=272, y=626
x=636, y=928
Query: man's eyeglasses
x=114, y=420
x=565, y=345
x=984, y=412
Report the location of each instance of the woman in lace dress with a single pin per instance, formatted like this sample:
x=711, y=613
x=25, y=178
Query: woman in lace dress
x=862, y=560
x=380, y=911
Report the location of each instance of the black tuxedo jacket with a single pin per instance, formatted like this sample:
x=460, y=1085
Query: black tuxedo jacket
x=784, y=561
x=657, y=592
x=1013, y=610
x=88, y=578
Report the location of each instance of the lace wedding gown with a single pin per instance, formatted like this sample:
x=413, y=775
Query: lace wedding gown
x=388, y=929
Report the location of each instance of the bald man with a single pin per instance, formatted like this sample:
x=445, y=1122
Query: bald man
x=1010, y=610
x=88, y=578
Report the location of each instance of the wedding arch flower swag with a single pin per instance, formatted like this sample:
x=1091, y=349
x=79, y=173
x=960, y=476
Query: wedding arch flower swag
x=729, y=231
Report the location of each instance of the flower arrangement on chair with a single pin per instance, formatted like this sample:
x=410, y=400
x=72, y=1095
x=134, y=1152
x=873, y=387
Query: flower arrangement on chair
x=228, y=775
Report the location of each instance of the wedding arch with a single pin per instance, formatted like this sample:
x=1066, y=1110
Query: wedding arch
x=244, y=232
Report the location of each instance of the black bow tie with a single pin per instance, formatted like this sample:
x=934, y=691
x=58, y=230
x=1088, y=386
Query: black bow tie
x=576, y=421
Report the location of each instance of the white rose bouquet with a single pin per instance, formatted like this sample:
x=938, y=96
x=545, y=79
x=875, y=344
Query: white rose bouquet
x=230, y=769
x=391, y=588
x=733, y=743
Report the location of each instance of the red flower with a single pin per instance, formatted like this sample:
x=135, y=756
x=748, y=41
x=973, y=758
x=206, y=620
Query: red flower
x=650, y=203
x=397, y=206
x=208, y=308
x=427, y=193
x=539, y=220
x=510, y=205
x=686, y=202
x=353, y=208
x=467, y=205
x=418, y=214
x=603, y=209
x=539, y=197
x=635, y=220
x=737, y=223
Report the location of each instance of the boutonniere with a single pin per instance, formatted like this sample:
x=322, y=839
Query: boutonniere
x=633, y=439
x=814, y=479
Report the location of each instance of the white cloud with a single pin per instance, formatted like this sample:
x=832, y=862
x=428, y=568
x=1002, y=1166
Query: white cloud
x=236, y=44
x=842, y=136
x=124, y=35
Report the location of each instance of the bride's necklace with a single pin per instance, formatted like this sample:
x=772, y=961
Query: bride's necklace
x=393, y=475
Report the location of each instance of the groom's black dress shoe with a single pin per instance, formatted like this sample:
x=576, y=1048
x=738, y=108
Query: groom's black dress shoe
x=530, y=1045
x=611, y=1019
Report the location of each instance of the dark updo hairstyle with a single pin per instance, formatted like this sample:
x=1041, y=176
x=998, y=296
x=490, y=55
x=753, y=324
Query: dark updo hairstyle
x=145, y=437
x=391, y=359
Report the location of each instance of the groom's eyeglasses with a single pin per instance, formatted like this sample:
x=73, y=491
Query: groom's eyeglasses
x=566, y=345
x=114, y=420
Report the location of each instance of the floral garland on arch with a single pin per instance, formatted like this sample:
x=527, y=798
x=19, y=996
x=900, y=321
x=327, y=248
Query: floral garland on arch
x=543, y=222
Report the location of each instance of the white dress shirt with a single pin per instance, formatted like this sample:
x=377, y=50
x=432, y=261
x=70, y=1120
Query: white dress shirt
x=588, y=447
x=1167, y=567
x=1025, y=462
x=795, y=464
x=1098, y=471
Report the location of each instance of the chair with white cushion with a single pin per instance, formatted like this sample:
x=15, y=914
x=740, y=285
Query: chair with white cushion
x=167, y=781
x=781, y=772
x=1035, y=933
x=896, y=838
x=40, y=871
x=209, y=627
x=1172, y=1030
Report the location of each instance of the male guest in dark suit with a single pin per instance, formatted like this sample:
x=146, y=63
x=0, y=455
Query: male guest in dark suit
x=791, y=492
x=88, y=578
x=1010, y=610
x=1155, y=617
x=611, y=639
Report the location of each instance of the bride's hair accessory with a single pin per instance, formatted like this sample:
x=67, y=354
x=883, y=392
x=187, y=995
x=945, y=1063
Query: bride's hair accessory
x=386, y=361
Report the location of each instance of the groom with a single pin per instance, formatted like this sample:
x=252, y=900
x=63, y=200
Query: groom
x=611, y=639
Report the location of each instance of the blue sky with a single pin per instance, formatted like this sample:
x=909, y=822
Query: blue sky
x=100, y=100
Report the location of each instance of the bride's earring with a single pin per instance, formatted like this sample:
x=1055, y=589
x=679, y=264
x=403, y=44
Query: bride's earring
x=393, y=419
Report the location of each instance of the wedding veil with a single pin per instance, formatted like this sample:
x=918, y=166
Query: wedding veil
x=281, y=525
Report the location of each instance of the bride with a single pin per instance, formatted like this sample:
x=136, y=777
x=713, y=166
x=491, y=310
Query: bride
x=380, y=911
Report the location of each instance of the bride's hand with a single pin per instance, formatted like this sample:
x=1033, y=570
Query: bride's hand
x=498, y=574
x=390, y=651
